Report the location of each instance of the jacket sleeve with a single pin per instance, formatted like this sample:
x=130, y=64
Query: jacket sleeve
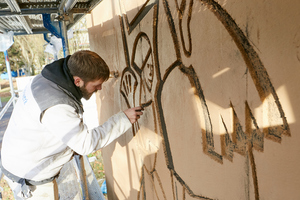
x=67, y=126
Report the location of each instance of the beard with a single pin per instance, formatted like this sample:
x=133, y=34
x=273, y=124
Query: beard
x=85, y=94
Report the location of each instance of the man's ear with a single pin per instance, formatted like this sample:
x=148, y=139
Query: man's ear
x=78, y=81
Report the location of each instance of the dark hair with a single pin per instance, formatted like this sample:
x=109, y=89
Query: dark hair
x=88, y=65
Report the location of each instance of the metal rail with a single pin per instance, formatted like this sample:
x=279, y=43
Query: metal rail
x=13, y=95
x=3, y=111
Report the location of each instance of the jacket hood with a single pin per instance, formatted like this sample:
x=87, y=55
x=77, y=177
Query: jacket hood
x=59, y=73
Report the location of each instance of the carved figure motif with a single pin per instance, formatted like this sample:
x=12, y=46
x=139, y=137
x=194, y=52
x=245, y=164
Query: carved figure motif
x=142, y=84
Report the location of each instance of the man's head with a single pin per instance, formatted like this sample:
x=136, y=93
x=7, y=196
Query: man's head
x=89, y=71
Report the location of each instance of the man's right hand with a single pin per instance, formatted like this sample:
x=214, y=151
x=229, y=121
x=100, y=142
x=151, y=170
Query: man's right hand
x=134, y=114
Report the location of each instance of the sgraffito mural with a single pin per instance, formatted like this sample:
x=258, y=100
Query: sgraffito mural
x=146, y=79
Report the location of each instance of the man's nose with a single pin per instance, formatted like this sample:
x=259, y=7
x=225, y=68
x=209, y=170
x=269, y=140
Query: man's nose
x=99, y=87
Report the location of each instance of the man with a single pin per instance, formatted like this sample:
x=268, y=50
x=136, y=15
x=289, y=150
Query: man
x=46, y=127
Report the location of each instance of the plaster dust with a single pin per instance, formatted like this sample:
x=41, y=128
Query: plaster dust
x=220, y=85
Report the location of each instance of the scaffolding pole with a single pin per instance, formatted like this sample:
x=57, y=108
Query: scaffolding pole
x=12, y=98
x=64, y=38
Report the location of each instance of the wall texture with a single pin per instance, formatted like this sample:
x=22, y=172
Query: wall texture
x=219, y=81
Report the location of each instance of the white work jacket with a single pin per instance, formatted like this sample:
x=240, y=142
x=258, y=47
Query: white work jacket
x=36, y=146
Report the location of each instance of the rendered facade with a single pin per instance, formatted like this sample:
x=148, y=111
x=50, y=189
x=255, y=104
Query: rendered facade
x=219, y=84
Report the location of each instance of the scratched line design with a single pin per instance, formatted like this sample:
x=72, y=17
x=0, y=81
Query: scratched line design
x=147, y=79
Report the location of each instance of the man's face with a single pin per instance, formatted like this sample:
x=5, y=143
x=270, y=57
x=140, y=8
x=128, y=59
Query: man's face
x=90, y=87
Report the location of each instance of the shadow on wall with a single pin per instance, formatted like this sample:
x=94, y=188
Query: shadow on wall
x=147, y=79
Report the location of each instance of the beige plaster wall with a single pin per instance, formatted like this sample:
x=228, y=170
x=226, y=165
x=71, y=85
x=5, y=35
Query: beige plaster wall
x=220, y=86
